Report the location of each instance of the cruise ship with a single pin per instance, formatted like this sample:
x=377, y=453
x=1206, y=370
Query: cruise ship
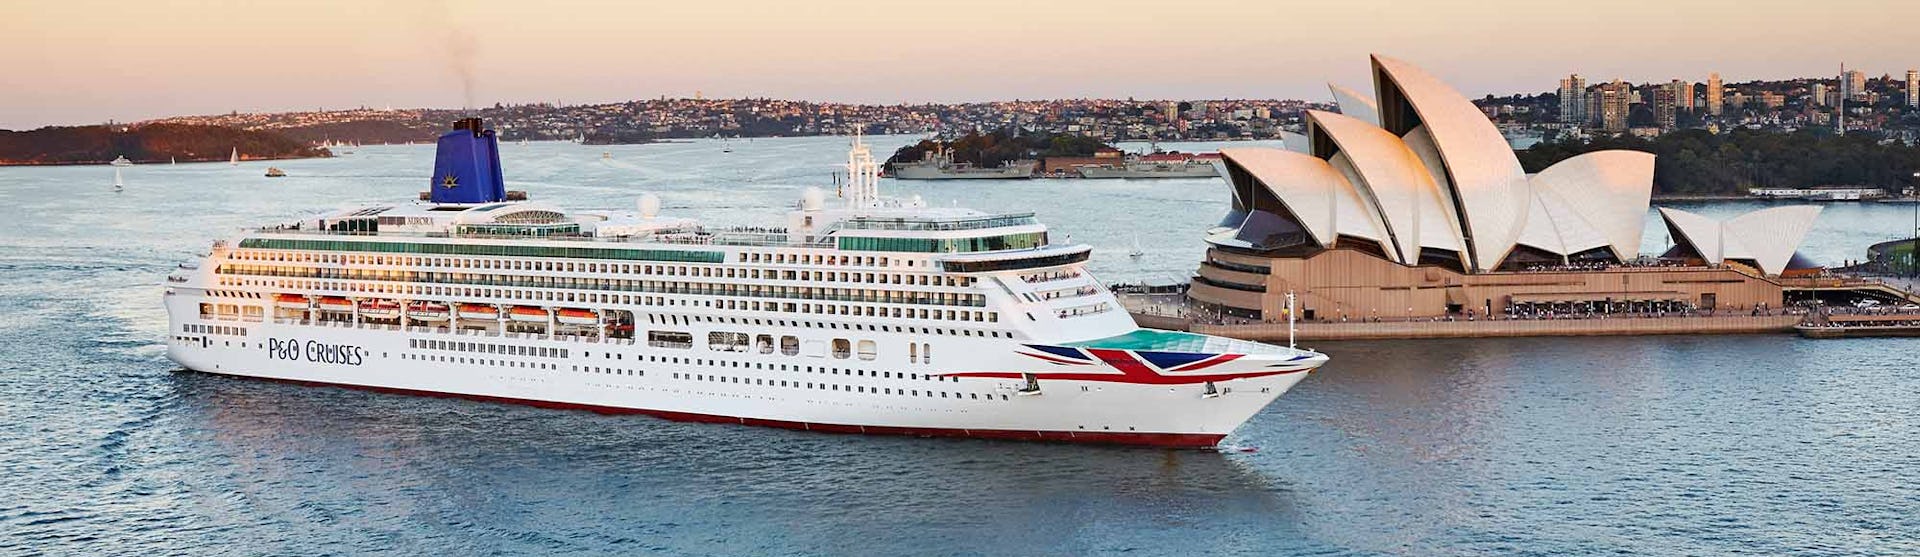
x=864, y=314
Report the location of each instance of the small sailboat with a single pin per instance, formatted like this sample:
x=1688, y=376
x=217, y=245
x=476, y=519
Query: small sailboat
x=170, y=160
x=1136, y=252
x=234, y=159
x=118, y=183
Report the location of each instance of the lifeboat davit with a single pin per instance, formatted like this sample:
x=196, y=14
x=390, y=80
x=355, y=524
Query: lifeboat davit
x=336, y=303
x=427, y=312
x=573, y=316
x=290, y=301
x=379, y=309
x=479, y=311
x=527, y=314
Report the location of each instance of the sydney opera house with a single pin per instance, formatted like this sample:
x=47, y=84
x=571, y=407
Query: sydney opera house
x=1411, y=203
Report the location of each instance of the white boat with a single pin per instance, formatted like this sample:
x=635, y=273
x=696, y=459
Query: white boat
x=1136, y=252
x=121, y=161
x=118, y=183
x=428, y=312
x=868, y=314
x=234, y=159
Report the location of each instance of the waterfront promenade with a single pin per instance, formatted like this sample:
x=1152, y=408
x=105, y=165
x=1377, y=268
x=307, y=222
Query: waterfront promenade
x=1417, y=329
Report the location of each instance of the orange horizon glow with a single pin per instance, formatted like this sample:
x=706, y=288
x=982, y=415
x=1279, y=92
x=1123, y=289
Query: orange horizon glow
x=88, y=61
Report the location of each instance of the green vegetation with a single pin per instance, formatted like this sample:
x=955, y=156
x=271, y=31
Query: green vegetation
x=1700, y=163
x=150, y=143
x=994, y=149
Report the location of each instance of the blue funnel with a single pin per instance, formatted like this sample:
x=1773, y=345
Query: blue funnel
x=466, y=169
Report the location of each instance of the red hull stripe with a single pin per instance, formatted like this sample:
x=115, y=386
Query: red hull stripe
x=1164, y=440
x=1131, y=371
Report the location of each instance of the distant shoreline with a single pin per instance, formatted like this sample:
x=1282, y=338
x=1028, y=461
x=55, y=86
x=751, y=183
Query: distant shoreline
x=1706, y=197
x=148, y=162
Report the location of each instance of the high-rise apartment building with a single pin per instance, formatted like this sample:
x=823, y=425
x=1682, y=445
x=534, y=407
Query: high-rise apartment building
x=1683, y=95
x=1853, y=83
x=1715, y=93
x=1573, y=99
x=1913, y=88
x=1614, y=102
x=1666, y=99
x=1817, y=95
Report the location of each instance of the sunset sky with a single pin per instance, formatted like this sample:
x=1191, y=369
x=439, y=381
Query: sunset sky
x=85, y=61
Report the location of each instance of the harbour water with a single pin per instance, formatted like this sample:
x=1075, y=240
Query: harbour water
x=1655, y=445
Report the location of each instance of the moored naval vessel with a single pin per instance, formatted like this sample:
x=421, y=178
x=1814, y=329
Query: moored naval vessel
x=939, y=165
x=865, y=314
x=1155, y=165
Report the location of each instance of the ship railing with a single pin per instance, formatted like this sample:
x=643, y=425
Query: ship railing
x=725, y=237
x=938, y=223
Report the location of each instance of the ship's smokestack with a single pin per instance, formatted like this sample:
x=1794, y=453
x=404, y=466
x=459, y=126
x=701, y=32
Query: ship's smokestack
x=466, y=167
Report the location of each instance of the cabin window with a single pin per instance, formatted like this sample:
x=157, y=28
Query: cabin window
x=868, y=350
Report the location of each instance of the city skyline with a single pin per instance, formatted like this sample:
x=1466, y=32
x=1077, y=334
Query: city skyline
x=208, y=57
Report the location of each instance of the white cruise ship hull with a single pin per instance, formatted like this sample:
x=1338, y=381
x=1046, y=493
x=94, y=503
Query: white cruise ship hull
x=1088, y=403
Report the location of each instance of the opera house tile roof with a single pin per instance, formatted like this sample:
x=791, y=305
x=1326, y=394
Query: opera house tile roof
x=1418, y=175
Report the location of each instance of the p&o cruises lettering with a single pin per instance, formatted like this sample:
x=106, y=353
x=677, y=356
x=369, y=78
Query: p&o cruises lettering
x=314, y=351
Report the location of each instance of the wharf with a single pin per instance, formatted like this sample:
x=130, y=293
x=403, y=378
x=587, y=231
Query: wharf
x=1905, y=324
x=1426, y=329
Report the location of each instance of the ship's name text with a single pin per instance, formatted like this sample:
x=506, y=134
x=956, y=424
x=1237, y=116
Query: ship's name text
x=314, y=351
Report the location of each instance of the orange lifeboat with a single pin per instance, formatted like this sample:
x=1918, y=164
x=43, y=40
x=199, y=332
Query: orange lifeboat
x=427, y=312
x=576, y=316
x=290, y=301
x=335, y=303
x=527, y=314
x=479, y=311
x=380, y=309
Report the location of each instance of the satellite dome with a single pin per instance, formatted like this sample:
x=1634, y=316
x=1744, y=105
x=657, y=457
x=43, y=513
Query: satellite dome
x=812, y=199
x=649, y=205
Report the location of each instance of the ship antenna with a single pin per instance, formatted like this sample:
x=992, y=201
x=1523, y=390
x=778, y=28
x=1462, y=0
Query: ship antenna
x=1290, y=314
x=863, y=176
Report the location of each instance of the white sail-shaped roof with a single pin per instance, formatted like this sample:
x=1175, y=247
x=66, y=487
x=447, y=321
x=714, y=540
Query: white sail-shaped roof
x=1767, y=237
x=1393, y=177
x=1438, y=218
x=1480, y=165
x=1770, y=236
x=1317, y=194
x=1553, y=226
x=1356, y=105
x=1609, y=189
